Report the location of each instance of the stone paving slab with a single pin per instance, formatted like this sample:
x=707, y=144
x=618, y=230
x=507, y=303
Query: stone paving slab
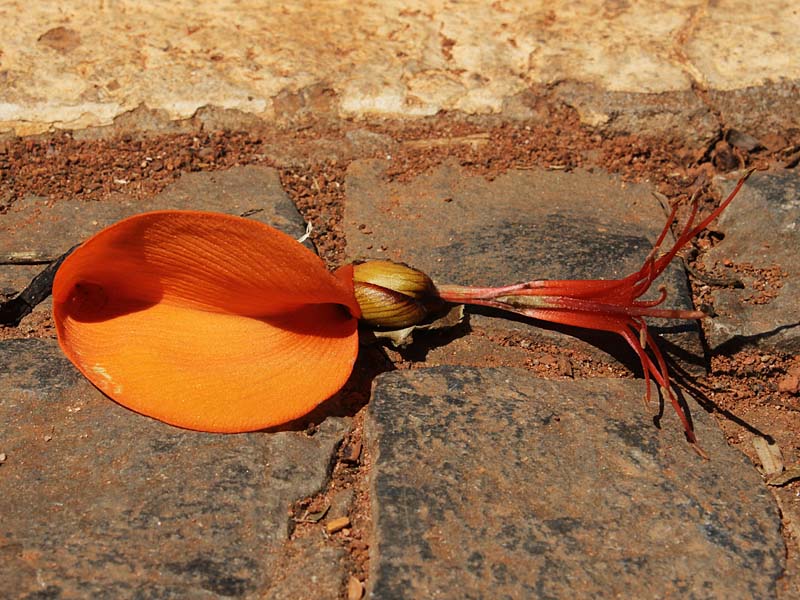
x=14, y=278
x=48, y=229
x=79, y=64
x=762, y=228
x=96, y=501
x=489, y=483
x=310, y=569
x=461, y=228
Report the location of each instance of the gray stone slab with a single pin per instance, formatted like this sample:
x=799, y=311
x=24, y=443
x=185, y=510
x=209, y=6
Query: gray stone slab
x=761, y=227
x=37, y=225
x=14, y=278
x=311, y=569
x=489, y=483
x=760, y=110
x=48, y=229
x=97, y=501
x=462, y=228
x=675, y=115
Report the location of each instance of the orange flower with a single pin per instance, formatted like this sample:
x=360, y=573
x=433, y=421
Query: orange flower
x=219, y=323
x=206, y=321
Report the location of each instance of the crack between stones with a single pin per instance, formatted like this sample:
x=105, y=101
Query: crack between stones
x=787, y=527
x=342, y=476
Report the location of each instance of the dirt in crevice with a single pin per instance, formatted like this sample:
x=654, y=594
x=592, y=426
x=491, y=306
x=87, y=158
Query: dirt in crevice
x=347, y=494
x=318, y=194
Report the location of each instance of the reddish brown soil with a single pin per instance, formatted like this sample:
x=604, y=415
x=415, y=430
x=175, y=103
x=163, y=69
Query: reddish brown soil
x=754, y=391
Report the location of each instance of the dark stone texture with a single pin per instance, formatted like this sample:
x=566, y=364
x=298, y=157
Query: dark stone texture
x=489, y=483
x=311, y=569
x=761, y=227
x=50, y=229
x=37, y=225
x=687, y=117
x=97, y=501
x=682, y=116
x=465, y=229
x=14, y=278
x=759, y=110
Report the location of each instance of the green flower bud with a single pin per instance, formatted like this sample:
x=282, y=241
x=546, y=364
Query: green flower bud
x=392, y=294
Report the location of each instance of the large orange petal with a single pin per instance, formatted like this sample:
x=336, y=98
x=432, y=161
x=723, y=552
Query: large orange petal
x=206, y=260
x=205, y=321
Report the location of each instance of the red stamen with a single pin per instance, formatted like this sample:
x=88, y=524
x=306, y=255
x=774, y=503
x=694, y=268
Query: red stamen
x=608, y=305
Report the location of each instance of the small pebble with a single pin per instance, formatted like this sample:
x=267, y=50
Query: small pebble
x=565, y=366
x=341, y=503
x=789, y=384
x=337, y=524
x=352, y=453
x=355, y=589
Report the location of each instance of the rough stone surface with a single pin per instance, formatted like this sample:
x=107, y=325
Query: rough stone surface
x=14, y=278
x=96, y=501
x=309, y=569
x=493, y=484
x=463, y=229
x=762, y=228
x=49, y=229
x=758, y=110
x=678, y=115
x=80, y=64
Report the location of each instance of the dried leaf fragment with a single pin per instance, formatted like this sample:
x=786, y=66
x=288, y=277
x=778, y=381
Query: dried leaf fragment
x=401, y=338
x=787, y=476
x=314, y=517
x=769, y=455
